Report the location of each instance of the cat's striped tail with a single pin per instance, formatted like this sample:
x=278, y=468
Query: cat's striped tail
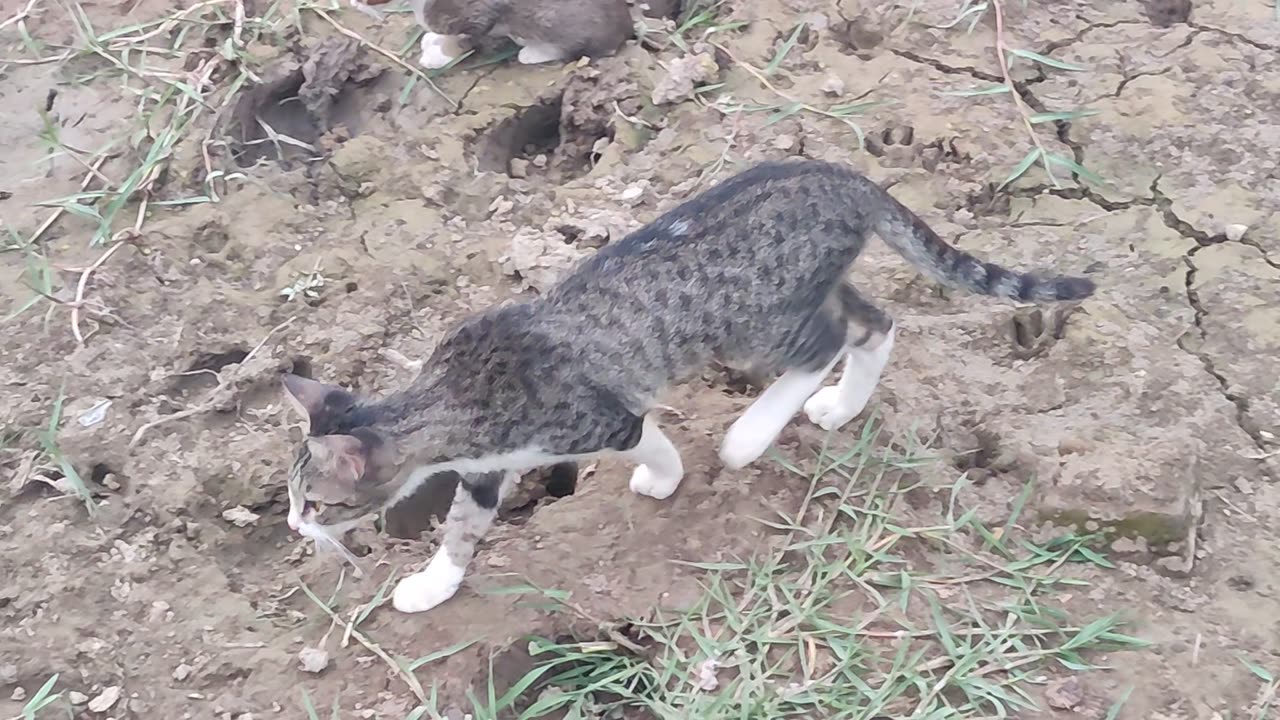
x=934, y=257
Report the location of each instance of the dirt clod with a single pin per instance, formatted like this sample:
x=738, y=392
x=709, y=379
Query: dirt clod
x=106, y=699
x=1064, y=694
x=313, y=660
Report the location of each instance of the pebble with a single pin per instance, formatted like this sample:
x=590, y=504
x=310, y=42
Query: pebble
x=313, y=660
x=182, y=672
x=106, y=700
x=18, y=694
x=833, y=85
x=77, y=698
x=240, y=516
x=1235, y=231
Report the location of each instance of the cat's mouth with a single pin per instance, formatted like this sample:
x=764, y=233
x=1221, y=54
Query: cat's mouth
x=307, y=516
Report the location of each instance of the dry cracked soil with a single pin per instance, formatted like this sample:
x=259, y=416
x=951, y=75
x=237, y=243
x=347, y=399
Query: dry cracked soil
x=327, y=213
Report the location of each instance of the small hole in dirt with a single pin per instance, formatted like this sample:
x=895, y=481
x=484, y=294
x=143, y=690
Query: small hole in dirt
x=301, y=367
x=351, y=287
x=531, y=132
x=663, y=8
x=217, y=361
x=570, y=233
x=857, y=37
x=562, y=480
x=981, y=457
x=1167, y=13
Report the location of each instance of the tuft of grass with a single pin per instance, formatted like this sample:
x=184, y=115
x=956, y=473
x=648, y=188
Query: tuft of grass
x=698, y=21
x=837, y=621
x=49, y=442
x=44, y=698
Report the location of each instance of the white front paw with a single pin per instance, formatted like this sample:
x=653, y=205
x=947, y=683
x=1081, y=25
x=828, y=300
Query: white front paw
x=744, y=443
x=645, y=482
x=829, y=409
x=422, y=591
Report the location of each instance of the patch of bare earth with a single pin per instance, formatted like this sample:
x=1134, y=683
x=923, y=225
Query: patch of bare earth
x=1143, y=421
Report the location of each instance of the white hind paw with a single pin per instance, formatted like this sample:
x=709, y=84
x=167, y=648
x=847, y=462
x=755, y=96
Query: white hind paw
x=422, y=591
x=648, y=483
x=830, y=408
x=536, y=54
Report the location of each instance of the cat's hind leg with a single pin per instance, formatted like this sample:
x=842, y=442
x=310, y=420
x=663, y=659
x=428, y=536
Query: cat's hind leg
x=475, y=504
x=659, y=469
x=538, y=53
x=810, y=352
x=870, y=341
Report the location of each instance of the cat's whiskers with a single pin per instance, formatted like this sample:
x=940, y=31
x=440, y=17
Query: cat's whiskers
x=326, y=536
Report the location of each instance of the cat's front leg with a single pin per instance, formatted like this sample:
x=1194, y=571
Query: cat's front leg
x=475, y=504
x=440, y=50
x=659, y=469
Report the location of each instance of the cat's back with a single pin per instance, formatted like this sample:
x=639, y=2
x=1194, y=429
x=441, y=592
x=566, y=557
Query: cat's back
x=583, y=27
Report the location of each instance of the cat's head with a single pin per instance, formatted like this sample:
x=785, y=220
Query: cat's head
x=341, y=473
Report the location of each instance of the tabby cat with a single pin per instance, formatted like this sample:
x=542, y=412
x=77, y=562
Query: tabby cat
x=750, y=273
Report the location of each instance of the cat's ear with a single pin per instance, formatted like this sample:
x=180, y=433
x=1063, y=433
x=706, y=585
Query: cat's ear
x=346, y=456
x=316, y=402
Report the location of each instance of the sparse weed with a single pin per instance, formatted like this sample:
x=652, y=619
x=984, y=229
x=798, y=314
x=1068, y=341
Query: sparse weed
x=973, y=12
x=836, y=622
x=42, y=699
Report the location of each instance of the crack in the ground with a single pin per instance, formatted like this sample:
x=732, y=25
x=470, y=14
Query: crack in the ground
x=1164, y=204
x=1236, y=36
x=1157, y=200
x=1239, y=402
x=1059, y=44
x=458, y=109
x=946, y=69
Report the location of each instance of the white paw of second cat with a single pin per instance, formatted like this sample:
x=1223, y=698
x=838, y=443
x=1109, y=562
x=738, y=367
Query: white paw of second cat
x=437, y=51
x=830, y=409
x=536, y=54
x=645, y=482
x=422, y=591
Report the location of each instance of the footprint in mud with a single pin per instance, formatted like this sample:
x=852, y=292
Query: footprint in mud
x=897, y=146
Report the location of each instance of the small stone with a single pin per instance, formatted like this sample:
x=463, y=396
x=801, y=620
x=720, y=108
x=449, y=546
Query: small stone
x=77, y=698
x=784, y=142
x=540, y=160
x=110, y=482
x=313, y=660
x=105, y=700
x=240, y=516
x=182, y=672
x=833, y=85
x=631, y=193
x=1064, y=694
x=18, y=694
x=1235, y=231
x=519, y=168
x=1244, y=486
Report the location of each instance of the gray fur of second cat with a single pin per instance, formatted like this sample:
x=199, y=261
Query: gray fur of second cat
x=546, y=30
x=749, y=273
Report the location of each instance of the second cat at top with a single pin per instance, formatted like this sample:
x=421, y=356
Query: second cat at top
x=546, y=30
